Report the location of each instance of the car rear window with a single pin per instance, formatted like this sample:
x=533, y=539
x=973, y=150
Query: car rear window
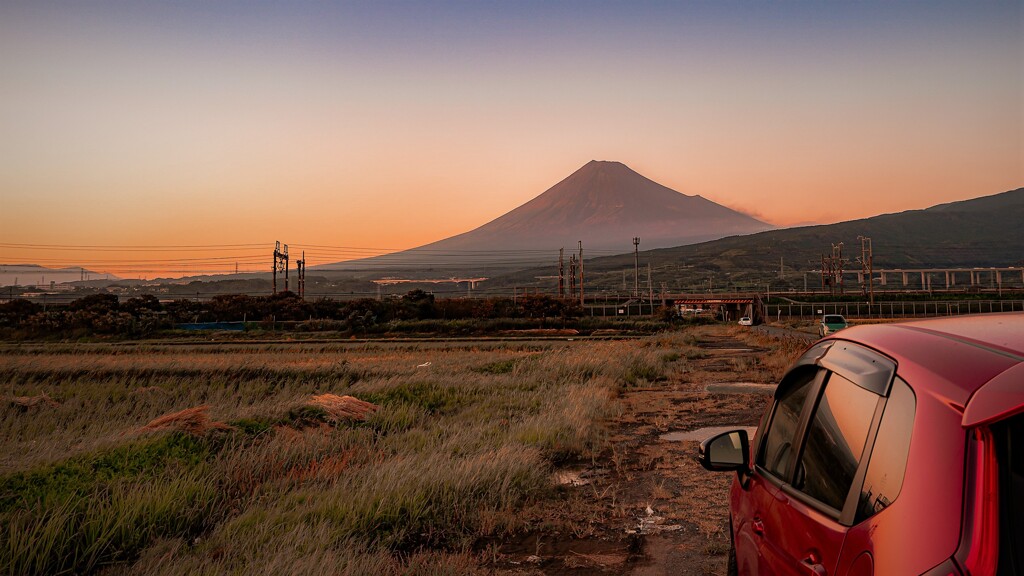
x=835, y=441
x=834, y=320
x=1010, y=449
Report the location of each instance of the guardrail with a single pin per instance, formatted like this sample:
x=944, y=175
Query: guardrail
x=896, y=309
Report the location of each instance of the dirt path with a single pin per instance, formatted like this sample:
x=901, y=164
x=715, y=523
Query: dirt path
x=780, y=332
x=645, y=507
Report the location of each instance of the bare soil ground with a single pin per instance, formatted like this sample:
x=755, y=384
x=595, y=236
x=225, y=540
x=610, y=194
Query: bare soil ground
x=644, y=506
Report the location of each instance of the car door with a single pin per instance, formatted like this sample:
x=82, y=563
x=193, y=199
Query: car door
x=815, y=505
x=757, y=529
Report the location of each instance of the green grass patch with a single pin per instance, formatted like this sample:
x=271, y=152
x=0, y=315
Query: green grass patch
x=430, y=396
x=75, y=516
x=84, y=475
x=498, y=367
x=642, y=370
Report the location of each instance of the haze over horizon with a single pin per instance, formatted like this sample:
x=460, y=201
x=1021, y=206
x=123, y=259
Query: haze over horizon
x=227, y=126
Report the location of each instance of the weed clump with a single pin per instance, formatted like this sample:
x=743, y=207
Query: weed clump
x=26, y=402
x=642, y=368
x=342, y=408
x=498, y=367
x=194, y=421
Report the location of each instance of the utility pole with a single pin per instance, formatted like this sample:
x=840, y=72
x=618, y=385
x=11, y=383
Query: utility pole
x=867, y=265
x=285, y=267
x=277, y=257
x=561, y=274
x=572, y=275
x=636, y=266
x=823, y=274
x=581, y=273
x=650, y=290
x=300, y=267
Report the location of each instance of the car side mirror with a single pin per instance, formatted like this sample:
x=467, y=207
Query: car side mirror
x=725, y=452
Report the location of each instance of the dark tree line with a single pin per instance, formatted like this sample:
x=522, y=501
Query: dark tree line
x=103, y=314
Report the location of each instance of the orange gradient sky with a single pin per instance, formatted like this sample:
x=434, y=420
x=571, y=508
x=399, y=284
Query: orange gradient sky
x=393, y=125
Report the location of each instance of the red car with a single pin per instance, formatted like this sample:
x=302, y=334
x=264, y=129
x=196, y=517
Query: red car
x=888, y=449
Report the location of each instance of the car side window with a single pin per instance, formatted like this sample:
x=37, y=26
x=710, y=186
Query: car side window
x=836, y=436
x=884, y=478
x=777, y=450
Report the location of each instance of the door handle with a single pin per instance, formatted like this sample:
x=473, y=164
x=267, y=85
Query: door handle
x=757, y=526
x=813, y=566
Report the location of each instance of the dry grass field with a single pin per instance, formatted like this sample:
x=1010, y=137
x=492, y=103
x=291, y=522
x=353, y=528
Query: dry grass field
x=487, y=457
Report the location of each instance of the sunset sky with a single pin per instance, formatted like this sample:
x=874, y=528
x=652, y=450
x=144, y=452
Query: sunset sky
x=385, y=125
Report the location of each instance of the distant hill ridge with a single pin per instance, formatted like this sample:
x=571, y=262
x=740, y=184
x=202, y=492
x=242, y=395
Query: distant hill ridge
x=981, y=232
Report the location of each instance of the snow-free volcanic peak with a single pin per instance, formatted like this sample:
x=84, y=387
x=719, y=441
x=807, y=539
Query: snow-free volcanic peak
x=604, y=204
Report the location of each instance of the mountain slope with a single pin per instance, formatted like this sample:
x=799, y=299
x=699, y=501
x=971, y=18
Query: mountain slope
x=606, y=204
x=603, y=204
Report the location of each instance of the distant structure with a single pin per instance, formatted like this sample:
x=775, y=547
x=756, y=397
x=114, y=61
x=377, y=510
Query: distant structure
x=280, y=264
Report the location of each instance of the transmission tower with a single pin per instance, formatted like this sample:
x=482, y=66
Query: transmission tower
x=832, y=269
x=280, y=264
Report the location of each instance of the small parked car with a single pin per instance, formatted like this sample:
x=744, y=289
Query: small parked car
x=888, y=449
x=746, y=321
x=831, y=323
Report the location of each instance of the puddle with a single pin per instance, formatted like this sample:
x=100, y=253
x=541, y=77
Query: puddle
x=703, y=434
x=740, y=388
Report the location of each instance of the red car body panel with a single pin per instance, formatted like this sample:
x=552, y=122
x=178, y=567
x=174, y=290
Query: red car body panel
x=923, y=522
x=752, y=513
x=950, y=368
x=965, y=372
x=807, y=539
x=1000, y=398
x=998, y=332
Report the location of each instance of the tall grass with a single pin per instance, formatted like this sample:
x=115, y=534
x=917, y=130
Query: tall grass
x=456, y=451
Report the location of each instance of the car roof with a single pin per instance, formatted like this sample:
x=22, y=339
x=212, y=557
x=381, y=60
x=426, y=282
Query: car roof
x=999, y=332
x=954, y=357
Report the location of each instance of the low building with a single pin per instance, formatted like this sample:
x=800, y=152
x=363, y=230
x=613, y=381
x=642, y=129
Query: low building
x=727, y=308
